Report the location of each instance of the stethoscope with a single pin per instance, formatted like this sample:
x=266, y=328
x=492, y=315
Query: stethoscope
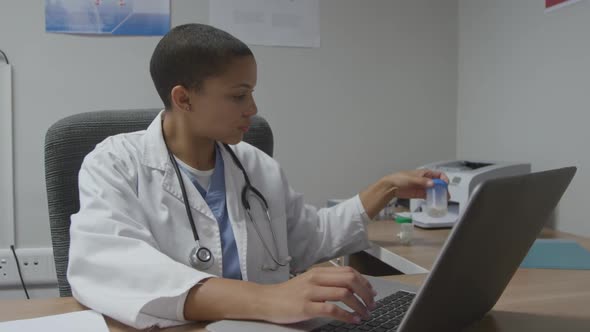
x=201, y=258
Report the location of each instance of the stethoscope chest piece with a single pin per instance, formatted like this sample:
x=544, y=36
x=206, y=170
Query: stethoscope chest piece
x=201, y=257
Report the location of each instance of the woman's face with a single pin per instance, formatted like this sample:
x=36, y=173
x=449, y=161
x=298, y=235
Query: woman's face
x=221, y=108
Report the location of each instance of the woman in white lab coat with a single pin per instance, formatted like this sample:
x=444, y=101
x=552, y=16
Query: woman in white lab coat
x=150, y=199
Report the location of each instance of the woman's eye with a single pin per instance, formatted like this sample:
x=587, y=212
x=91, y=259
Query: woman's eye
x=239, y=98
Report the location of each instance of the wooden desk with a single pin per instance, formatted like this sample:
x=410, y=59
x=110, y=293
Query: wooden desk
x=535, y=300
x=419, y=257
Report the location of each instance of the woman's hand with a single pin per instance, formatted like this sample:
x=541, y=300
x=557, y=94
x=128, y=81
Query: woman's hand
x=301, y=298
x=305, y=296
x=406, y=184
x=413, y=184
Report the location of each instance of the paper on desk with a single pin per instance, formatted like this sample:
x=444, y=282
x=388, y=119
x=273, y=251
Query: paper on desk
x=269, y=22
x=87, y=321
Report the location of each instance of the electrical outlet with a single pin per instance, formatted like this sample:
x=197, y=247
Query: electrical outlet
x=36, y=265
x=8, y=272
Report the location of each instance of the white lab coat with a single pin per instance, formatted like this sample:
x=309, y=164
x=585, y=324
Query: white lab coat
x=131, y=239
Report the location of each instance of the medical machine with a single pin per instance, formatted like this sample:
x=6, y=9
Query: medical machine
x=464, y=176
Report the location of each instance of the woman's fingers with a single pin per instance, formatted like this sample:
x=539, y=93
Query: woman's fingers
x=435, y=175
x=347, y=269
x=322, y=294
x=330, y=310
x=421, y=182
x=348, y=278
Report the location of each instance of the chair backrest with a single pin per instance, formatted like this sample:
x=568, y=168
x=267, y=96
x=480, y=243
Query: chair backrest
x=69, y=140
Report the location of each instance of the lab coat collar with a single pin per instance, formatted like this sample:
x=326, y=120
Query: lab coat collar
x=234, y=182
x=155, y=155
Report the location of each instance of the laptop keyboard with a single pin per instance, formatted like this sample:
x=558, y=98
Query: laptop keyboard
x=386, y=317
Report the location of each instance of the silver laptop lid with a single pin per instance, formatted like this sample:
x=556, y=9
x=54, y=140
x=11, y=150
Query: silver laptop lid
x=484, y=250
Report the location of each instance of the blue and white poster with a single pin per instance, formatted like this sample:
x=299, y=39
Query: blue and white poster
x=110, y=17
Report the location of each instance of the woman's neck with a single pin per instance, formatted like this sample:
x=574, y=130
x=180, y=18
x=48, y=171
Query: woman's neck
x=197, y=152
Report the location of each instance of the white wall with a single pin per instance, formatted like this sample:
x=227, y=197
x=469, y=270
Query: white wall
x=524, y=91
x=378, y=96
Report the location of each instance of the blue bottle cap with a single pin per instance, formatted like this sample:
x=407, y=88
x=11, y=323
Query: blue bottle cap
x=439, y=182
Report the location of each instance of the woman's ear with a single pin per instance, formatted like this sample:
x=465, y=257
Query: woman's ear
x=180, y=98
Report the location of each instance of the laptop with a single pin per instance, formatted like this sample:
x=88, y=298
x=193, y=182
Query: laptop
x=482, y=253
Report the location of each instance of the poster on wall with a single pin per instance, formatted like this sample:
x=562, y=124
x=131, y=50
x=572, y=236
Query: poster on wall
x=108, y=17
x=551, y=5
x=269, y=22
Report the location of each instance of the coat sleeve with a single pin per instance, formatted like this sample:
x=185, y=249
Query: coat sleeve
x=115, y=265
x=319, y=235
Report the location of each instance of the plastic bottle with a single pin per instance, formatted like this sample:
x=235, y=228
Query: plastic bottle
x=436, y=199
x=406, y=229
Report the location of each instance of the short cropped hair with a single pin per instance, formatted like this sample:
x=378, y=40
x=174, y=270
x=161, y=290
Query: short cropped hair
x=189, y=54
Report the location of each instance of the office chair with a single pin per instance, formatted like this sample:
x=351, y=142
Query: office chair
x=69, y=140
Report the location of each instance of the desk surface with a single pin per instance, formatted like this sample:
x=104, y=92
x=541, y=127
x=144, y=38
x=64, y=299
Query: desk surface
x=535, y=300
x=419, y=257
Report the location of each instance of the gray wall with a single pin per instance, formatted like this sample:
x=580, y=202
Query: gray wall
x=524, y=91
x=378, y=96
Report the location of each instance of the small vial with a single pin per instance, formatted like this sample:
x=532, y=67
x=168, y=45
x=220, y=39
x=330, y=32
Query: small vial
x=436, y=199
x=406, y=230
x=389, y=210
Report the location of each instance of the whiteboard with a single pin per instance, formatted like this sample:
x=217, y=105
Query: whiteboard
x=6, y=154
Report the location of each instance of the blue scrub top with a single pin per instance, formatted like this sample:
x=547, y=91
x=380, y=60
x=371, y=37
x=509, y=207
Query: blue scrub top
x=216, y=200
